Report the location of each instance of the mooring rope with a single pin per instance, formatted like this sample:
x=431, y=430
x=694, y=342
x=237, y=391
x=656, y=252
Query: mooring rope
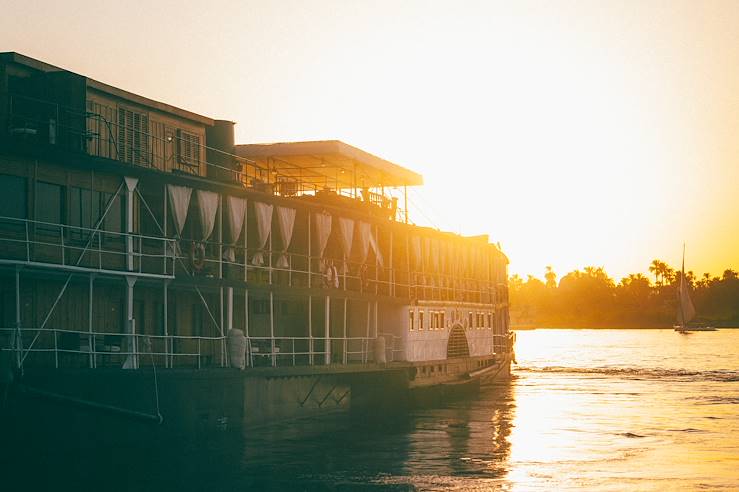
x=156, y=384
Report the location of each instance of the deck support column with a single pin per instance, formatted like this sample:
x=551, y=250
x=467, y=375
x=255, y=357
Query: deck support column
x=327, y=331
x=310, y=330
x=130, y=187
x=167, y=341
x=18, y=333
x=367, y=333
x=246, y=320
x=89, y=320
x=272, y=327
x=344, y=358
x=220, y=327
x=132, y=361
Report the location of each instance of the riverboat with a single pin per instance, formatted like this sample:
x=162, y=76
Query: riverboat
x=154, y=269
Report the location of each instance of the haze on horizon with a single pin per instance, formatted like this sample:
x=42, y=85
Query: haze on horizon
x=575, y=133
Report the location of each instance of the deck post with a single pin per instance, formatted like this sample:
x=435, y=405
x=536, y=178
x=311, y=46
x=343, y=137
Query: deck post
x=246, y=320
x=167, y=359
x=272, y=327
x=164, y=231
x=310, y=330
x=367, y=333
x=89, y=321
x=130, y=187
x=327, y=331
x=220, y=325
x=344, y=358
x=18, y=333
x=246, y=234
x=309, y=252
x=130, y=327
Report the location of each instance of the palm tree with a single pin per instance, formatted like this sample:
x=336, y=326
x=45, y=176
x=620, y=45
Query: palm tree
x=550, y=277
x=656, y=268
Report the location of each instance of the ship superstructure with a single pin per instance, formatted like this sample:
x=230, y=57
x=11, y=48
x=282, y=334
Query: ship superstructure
x=135, y=234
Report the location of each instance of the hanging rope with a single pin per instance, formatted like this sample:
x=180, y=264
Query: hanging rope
x=156, y=383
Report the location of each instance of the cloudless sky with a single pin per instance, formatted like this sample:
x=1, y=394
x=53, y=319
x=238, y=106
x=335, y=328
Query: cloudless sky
x=574, y=132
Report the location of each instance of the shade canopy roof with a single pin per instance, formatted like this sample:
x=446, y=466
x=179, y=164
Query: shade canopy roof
x=329, y=163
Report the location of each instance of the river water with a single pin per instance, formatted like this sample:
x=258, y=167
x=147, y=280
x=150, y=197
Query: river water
x=585, y=410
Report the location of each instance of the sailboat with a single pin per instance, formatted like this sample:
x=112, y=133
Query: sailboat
x=685, y=308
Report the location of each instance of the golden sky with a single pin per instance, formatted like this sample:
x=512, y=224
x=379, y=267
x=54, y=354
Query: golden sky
x=574, y=133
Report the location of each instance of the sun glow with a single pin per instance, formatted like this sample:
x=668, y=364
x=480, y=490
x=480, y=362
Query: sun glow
x=573, y=133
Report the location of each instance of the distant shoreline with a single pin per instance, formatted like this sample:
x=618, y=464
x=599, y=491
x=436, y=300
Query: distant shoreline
x=525, y=327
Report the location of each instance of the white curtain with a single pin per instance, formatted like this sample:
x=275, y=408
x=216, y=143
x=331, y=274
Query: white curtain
x=235, y=208
x=322, y=223
x=207, y=209
x=263, y=213
x=285, y=225
x=179, y=202
x=346, y=227
x=364, y=232
x=376, y=248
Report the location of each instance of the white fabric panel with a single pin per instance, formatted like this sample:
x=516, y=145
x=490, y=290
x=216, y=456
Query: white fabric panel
x=179, y=202
x=235, y=208
x=263, y=213
x=207, y=208
x=285, y=225
x=322, y=223
x=376, y=248
x=346, y=227
x=364, y=230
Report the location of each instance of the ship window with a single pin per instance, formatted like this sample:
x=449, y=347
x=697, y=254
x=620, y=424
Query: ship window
x=420, y=320
x=470, y=321
x=188, y=150
x=49, y=205
x=490, y=321
x=133, y=137
x=113, y=221
x=442, y=315
x=197, y=320
x=411, y=319
x=260, y=306
x=13, y=191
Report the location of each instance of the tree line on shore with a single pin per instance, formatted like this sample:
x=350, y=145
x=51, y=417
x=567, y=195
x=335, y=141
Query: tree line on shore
x=591, y=298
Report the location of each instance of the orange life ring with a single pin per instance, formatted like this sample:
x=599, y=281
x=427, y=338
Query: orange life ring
x=197, y=256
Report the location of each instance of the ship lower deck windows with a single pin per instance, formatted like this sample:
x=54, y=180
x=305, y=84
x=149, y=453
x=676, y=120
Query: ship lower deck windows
x=420, y=320
x=49, y=206
x=13, y=191
x=411, y=319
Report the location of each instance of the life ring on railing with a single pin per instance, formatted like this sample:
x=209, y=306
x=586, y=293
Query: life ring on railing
x=197, y=256
x=329, y=274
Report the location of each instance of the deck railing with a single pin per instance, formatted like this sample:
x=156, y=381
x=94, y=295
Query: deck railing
x=74, y=247
x=93, y=349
